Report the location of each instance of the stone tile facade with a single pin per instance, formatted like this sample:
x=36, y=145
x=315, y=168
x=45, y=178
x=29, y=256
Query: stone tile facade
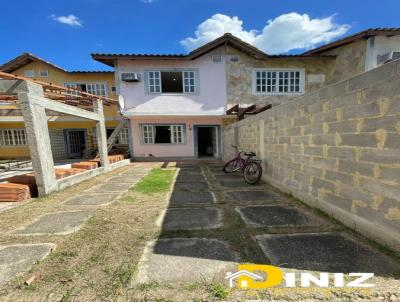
x=239, y=76
x=337, y=149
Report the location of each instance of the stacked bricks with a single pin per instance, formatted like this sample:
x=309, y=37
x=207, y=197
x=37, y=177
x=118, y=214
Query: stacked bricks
x=85, y=165
x=337, y=149
x=25, y=179
x=14, y=192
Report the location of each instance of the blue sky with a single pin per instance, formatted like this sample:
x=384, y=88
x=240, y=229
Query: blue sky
x=66, y=32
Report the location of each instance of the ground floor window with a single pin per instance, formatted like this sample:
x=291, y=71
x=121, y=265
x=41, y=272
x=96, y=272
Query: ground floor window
x=163, y=134
x=13, y=137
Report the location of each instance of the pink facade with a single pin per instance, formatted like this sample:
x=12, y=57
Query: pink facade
x=169, y=150
x=206, y=106
x=211, y=97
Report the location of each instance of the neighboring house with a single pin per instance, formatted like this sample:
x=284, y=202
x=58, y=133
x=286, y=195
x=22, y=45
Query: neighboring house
x=176, y=104
x=69, y=136
x=361, y=52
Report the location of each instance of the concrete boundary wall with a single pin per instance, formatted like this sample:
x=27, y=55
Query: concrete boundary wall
x=74, y=179
x=336, y=149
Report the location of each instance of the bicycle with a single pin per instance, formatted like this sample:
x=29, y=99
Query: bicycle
x=251, y=168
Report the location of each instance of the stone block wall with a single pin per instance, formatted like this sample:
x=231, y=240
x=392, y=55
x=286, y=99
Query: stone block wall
x=336, y=149
x=240, y=76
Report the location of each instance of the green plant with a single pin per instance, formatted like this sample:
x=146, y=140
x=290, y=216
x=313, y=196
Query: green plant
x=157, y=181
x=219, y=291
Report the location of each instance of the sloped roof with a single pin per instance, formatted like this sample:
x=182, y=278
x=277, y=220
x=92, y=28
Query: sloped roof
x=365, y=34
x=227, y=39
x=27, y=58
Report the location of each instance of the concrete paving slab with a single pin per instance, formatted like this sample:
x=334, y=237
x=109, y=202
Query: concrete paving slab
x=19, y=258
x=136, y=171
x=189, y=168
x=192, y=219
x=132, y=179
x=59, y=223
x=191, y=186
x=110, y=187
x=187, y=198
x=190, y=177
x=239, y=183
x=330, y=252
x=276, y=216
x=240, y=196
x=186, y=260
x=225, y=177
x=92, y=199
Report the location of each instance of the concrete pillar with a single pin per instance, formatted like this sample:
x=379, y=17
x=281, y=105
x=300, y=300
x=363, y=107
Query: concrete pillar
x=236, y=135
x=101, y=134
x=261, y=145
x=37, y=132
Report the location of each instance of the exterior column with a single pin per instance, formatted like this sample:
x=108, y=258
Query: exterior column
x=262, y=145
x=37, y=133
x=101, y=134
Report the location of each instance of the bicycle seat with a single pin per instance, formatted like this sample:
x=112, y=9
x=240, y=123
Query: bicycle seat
x=250, y=153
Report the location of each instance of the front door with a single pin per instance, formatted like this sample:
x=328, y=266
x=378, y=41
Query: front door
x=76, y=142
x=207, y=141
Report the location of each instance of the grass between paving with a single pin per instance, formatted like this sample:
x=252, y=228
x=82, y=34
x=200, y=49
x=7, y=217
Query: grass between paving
x=157, y=181
x=98, y=262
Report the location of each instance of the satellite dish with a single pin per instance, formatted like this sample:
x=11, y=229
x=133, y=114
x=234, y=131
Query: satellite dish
x=121, y=102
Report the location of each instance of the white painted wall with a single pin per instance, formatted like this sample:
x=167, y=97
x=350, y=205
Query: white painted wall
x=211, y=98
x=380, y=45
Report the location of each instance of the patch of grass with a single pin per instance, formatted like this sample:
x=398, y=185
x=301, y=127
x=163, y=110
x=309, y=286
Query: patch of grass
x=219, y=291
x=128, y=199
x=147, y=286
x=157, y=181
x=123, y=274
x=68, y=296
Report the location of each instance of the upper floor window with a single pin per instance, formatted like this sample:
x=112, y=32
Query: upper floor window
x=43, y=73
x=30, y=73
x=272, y=81
x=93, y=88
x=171, y=81
x=13, y=137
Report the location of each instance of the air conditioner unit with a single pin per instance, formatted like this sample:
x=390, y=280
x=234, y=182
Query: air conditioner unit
x=130, y=77
x=387, y=57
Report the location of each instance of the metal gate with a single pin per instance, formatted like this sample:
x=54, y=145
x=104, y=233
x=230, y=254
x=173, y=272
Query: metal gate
x=76, y=142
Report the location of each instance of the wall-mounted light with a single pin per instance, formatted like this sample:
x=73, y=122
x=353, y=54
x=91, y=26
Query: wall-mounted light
x=190, y=127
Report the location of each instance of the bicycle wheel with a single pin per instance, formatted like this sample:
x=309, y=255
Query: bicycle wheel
x=231, y=166
x=252, y=172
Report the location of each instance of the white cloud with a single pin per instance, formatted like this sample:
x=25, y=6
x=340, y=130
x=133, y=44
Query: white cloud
x=70, y=20
x=147, y=1
x=280, y=35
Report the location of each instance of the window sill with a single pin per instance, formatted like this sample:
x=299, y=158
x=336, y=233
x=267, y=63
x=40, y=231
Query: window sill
x=164, y=144
x=277, y=94
x=173, y=94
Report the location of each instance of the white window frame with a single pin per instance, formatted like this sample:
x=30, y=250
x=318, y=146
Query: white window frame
x=277, y=70
x=44, y=73
x=29, y=73
x=189, y=81
x=123, y=136
x=15, y=137
x=154, y=76
x=89, y=84
x=178, y=134
x=187, y=73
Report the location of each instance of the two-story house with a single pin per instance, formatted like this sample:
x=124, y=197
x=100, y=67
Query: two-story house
x=70, y=136
x=177, y=104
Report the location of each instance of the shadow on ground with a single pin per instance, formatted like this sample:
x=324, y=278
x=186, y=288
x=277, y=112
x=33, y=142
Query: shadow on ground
x=215, y=221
